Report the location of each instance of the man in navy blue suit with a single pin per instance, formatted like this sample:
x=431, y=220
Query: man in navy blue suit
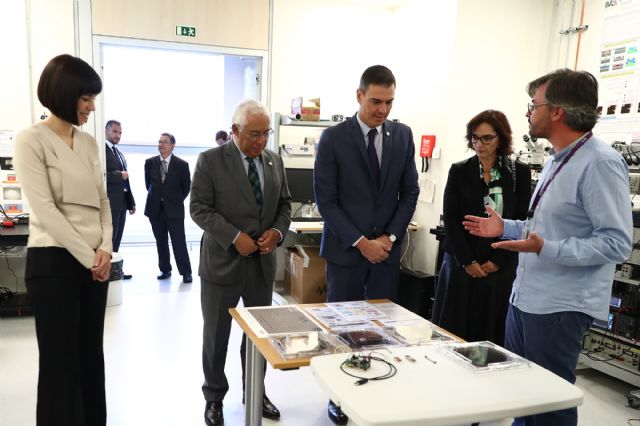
x=168, y=183
x=366, y=187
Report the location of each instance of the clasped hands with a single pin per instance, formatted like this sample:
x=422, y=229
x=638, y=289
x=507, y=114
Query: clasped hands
x=245, y=245
x=101, y=266
x=477, y=270
x=375, y=251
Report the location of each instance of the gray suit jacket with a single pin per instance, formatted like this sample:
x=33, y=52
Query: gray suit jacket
x=223, y=203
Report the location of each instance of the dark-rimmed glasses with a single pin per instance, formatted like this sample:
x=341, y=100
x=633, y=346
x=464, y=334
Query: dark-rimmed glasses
x=484, y=139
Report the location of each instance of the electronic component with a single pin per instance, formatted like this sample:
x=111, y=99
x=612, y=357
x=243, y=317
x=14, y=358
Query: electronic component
x=362, y=362
x=602, y=347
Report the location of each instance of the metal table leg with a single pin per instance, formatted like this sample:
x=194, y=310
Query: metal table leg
x=254, y=385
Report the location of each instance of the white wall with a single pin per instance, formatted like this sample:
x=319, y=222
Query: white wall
x=317, y=51
x=51, y=33
x=15, y=95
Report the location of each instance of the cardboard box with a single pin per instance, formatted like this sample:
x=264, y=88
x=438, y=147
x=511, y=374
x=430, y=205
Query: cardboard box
x=304, y=274
x=306, y=112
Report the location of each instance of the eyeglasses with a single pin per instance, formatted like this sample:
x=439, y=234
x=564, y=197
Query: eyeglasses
x=532, y=106
x=254, y=135
x=484, y=139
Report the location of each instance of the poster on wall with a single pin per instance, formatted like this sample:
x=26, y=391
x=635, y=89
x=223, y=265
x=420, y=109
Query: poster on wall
x=619, y=76
x=11, y=198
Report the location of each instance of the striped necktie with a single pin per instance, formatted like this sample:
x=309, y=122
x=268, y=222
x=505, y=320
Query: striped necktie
x=163, y=170
x=254, y=180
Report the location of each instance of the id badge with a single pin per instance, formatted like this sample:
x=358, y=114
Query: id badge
x=528, y=227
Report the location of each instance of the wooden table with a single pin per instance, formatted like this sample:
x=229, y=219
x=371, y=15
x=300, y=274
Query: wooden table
x=259, y=348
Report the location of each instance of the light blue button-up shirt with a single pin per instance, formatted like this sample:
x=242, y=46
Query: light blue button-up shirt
x=585, y=220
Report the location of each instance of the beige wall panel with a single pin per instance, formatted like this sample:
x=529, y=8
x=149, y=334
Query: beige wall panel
x=232, y=23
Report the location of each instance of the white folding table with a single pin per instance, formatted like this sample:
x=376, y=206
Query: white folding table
x=446, y=393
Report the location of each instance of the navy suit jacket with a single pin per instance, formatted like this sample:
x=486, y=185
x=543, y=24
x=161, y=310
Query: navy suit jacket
x=172, y=192
x=347, y=197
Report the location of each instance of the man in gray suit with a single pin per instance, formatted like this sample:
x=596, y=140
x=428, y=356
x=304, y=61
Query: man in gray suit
x=240, y=198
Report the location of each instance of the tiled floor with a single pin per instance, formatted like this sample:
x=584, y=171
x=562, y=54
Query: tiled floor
x=153, y=343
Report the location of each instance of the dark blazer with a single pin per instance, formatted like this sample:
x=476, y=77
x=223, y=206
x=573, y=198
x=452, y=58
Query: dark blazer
x=223, y=203
x=346, y=194
x=118, y=198
x=464, y=195
x=172, y=192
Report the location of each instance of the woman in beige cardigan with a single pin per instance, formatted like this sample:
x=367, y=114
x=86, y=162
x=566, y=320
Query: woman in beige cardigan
x=69, y=249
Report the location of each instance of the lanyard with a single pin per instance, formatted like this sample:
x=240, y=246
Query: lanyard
x=547, y=182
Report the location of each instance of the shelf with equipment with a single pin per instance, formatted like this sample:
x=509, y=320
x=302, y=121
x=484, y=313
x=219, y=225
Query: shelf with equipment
x=296, y=140
x=611, y=346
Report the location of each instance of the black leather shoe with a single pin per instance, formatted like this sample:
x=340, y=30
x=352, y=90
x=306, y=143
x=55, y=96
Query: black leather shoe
x=164, y=275
x=187, y=279
x=269, y=410
x=213, y=413
x=336, y=415
x=126, y=276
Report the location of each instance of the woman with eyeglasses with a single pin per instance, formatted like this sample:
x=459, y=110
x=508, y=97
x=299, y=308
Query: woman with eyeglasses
x=473, y=288
x=69, y=248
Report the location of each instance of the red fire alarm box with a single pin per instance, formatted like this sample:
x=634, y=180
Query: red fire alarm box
x=427, y=145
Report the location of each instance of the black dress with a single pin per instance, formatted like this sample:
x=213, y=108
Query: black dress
x=475, y=308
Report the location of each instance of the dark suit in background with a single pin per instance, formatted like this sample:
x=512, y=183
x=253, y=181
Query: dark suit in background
x=118, y=188
x=120, y=195
x=165, y=209
x=224, y=205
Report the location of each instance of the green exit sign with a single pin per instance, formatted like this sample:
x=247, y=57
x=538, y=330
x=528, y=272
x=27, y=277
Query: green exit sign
x=186, y=31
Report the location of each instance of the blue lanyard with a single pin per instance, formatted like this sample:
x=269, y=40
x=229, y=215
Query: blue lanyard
x=547, y=182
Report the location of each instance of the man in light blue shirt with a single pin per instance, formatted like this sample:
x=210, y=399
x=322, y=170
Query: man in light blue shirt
x=579, y=228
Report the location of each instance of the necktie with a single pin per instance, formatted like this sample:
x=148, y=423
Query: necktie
x=120, y=158
x=254, y=180
x=163, y=170
x=123, y=166
x=373, y=156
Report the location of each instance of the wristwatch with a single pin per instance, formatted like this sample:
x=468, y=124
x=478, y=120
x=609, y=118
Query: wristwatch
x=392, y=238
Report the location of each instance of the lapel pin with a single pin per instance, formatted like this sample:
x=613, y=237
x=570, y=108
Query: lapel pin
x=388, y=133
x=270, y=163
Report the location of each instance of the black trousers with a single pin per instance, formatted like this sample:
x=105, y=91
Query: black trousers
x=118, y=219
x=69, y=310
x=215, y=301
x=163, y=227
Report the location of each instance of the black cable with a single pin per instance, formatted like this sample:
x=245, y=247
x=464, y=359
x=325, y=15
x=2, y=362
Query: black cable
x=363, y=362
